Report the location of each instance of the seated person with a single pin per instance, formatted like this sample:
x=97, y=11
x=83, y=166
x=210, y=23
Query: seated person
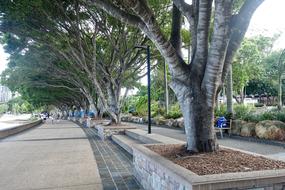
x=221, y=122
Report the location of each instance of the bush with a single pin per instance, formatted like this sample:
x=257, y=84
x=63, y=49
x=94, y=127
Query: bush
x=252, y=117
x=3, y=108
x=268, y=116
x=174, y=112
x=258, y=105
x=141, y=106
x=280, y=116
x=222, y=111
x=241, y=111
x=156, y=110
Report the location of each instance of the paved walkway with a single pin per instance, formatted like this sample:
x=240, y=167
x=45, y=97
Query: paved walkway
x=276, y=152
x=57, y=156
x=114, y=163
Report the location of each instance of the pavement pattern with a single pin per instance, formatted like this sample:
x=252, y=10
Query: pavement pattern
x=50, y=157
x=114, y=163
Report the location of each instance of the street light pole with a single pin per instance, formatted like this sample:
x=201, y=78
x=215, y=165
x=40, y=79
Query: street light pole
x=148, y=90
x=147, y=48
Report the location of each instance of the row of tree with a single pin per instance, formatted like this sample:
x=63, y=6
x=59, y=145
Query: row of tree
x=75, y=52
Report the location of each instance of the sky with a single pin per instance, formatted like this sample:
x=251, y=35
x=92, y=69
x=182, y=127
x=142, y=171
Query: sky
x=267, y=20
x=3, y=59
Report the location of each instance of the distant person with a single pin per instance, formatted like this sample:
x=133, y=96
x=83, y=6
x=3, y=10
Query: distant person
x=58, y=117
x=51, y=117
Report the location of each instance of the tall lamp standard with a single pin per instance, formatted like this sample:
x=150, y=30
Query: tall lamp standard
x=148, y=86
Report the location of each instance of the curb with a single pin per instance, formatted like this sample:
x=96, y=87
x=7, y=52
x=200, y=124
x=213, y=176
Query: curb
x=11, y=131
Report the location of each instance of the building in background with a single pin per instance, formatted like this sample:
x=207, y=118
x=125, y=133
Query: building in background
x=5, y=94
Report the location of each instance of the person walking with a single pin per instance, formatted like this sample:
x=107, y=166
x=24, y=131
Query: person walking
x=51, y=117
x=58, y=117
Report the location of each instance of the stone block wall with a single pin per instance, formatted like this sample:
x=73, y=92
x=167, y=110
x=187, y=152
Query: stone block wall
x=105, y=132
x=11, y=131
x=153, y=176
x=156, y=173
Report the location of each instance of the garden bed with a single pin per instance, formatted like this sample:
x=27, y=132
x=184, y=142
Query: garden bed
x=226, y=169
x=222, y=161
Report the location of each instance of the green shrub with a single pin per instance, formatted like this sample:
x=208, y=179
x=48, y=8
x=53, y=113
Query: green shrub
x=174, y=112
x=141, y=106
x=156, y=109
x=280, y=116
x=242, y=111
x=268, y=116
x=252, y=117
x=258, y=105
x=3, y=108
x=222, y=111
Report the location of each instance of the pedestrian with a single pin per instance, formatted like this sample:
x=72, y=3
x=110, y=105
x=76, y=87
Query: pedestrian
x=58, y=117
x=52, y=118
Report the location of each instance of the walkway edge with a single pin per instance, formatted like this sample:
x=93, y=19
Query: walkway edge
x=11, y=131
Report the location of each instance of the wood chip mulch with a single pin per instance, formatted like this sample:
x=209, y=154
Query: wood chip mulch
x=221, y=161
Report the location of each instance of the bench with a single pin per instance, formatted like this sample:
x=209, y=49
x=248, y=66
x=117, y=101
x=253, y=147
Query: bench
x=227, y=127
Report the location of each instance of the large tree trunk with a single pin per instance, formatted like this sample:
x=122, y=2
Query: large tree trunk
x=114, y=105
x=198, y=119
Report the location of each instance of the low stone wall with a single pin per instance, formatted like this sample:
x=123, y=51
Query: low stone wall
x=105, y=132
x=178, y=123
x=155, y=172
x=267, y=129
x=11, y=131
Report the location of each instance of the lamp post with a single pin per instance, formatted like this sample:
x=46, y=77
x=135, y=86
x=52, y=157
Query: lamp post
x=148, y=86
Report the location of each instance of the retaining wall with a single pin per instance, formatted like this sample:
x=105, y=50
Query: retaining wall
x=155, y=172
x=11, y=131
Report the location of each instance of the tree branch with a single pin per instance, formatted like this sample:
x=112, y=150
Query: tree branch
x=219, y=44
x=117, y=13
x=175, y=38
x=239, y=25
x=185, y=8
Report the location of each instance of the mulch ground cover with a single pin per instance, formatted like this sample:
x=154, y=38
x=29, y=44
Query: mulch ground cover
x=221, y=161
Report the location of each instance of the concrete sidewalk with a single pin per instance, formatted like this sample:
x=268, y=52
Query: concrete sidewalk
x=52, y=156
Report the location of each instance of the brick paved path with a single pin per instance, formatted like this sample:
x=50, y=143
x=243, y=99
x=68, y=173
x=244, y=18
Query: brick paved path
x=114, y=163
